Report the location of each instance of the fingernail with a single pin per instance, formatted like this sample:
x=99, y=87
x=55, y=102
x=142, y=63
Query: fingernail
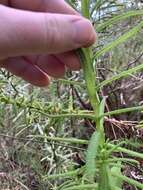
x=85, y=34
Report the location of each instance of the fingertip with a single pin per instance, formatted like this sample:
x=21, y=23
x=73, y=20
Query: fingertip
x=42, y=81
x=85, y=34
x=70, y=59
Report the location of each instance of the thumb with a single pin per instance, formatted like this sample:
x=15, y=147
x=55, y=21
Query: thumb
x=25, y=32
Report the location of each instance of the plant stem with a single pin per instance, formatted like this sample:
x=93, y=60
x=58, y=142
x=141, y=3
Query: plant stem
x=98, y=138
x=87, y=64
x=90, y=78
x=85, y=8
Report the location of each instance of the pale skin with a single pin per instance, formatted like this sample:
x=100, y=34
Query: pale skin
x=38, y=38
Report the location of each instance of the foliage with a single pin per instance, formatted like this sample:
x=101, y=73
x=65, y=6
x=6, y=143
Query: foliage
x=64, y=138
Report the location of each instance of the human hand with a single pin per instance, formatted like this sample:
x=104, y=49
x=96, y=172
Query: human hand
x=39, y=38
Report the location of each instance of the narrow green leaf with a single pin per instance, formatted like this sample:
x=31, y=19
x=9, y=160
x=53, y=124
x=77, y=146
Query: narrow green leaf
x=128, y=180
x=119, y=40
x=91, y=155
x=97, y=5
x=129, y=152
x=100, y=121
x=62, y=175
x=124, y=110
x=118, y=18
x=126, y=160
x=120, y=75
x=101, y=112
x=60, y=139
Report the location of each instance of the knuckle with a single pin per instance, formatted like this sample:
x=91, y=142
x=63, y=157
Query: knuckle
x=51, y=33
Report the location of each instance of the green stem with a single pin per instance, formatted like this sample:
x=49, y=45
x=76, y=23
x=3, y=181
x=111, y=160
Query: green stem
x=87, y=65
x=104, y=182
x=98, y=138
x=85, y=8
x=60, y=139
x=90, y=78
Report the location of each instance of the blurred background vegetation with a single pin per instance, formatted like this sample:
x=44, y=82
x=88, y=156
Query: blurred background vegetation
x=27, y=113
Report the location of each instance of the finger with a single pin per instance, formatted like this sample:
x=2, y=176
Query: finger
x=51, y=65
x=54, y=65
x=70, y=59
x=26, y=71
x=4, y=2
x=54, y=6
x=24, y=32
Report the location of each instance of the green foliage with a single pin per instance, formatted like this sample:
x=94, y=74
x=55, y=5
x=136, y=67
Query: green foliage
x=119, y=40
x=47, y=132
x=92, y=154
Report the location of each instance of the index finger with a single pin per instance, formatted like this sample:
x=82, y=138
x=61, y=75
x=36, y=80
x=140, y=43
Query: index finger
x=53, y=6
